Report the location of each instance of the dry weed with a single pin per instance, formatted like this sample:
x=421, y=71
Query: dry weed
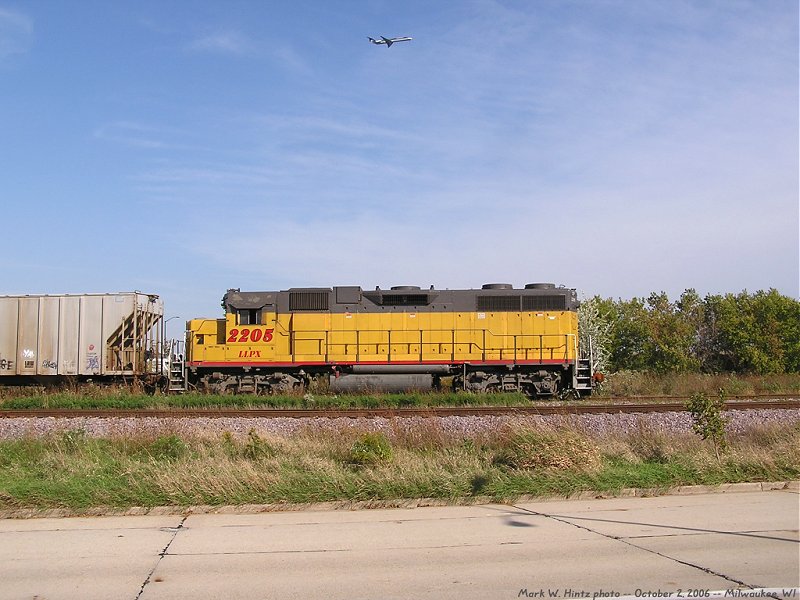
x=636, y=383
x=768, y=446
x=651, y=445
x=548, y=448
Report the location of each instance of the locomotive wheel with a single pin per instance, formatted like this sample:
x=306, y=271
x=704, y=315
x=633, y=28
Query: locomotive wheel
x=569, y=394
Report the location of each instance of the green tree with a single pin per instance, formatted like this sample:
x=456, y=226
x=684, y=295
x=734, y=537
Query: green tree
x=671, y=336
x=753, y=333
x=692, y=310
x=629, y=335
x=740, y=333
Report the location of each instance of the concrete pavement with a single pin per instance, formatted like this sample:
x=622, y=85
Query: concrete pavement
x=703, y=545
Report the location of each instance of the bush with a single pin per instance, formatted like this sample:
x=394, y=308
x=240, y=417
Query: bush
x=257, y=447
x=254, y=448
x=371, y=449
x=73, y=438
x=167, y=447
x=707, y=419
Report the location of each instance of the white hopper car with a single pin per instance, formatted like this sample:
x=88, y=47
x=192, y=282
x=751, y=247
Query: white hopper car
x=47, y=338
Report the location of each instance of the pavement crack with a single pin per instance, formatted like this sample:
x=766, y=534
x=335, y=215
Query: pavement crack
x=629, y=543
x=162, y=554
x=755, y=534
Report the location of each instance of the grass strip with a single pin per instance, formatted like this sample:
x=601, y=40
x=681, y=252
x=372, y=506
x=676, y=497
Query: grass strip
x=73, y=470
x=124, y=400
x=623, y=383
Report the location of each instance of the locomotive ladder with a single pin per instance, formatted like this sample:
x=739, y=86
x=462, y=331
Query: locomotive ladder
x=177, y=369
x=584, y=369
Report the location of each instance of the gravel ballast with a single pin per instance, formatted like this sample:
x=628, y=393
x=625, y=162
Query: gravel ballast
x=595, y=424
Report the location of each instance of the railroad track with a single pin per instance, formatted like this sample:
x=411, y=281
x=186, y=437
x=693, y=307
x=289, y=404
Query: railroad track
x=352, y=413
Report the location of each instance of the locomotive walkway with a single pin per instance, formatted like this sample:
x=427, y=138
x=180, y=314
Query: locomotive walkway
x=737, y=544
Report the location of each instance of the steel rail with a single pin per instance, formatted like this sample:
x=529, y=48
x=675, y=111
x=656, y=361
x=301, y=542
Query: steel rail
x=353, y=413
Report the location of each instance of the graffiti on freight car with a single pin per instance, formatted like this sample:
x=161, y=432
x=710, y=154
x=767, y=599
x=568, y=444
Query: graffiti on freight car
x=92, y=362
x=6, y=365
x=49, y=364
x=28, y=356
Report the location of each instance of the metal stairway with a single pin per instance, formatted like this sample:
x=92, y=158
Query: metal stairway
x=583, y=375
x=177, y=369
x=584, y=372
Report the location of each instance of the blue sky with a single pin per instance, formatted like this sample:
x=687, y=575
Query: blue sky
x=184, y=148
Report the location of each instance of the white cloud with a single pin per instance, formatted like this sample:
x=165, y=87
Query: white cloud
x=568, y=239
x=238, y=44
x=621, y=151
x=16, y=33
x=316, y=125
x=131, y=134
x=286, y=57
x=223, y=42
x=210, y=176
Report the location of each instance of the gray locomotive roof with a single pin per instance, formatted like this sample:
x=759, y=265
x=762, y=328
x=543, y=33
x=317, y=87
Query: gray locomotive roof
x=491, y=298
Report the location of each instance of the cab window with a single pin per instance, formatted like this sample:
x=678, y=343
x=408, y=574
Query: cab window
x=248, y=317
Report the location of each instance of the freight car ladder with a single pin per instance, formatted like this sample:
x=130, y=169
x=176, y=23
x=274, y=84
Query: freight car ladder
x=177, y=369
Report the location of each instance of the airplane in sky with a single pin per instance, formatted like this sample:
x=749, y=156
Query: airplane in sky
x=389, y=41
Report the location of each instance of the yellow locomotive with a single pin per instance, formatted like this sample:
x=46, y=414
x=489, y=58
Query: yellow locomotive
x=492, y=339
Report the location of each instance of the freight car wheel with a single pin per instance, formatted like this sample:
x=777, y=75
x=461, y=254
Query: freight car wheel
x=152, y=385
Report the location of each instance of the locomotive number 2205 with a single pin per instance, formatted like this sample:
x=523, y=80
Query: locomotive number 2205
x=241, y=336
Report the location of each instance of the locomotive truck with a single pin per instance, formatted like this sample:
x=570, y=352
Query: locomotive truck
x=498, y=338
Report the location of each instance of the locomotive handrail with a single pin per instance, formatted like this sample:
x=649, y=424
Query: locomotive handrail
x=520, y=349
